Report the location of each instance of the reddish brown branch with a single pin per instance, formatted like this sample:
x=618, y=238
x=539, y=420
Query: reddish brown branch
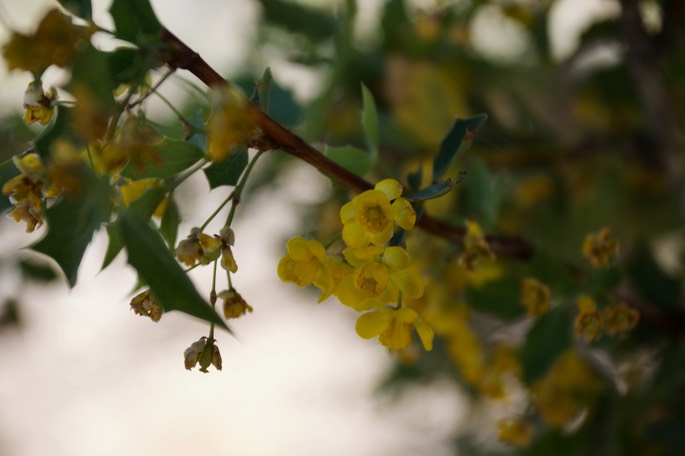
x=178, y=55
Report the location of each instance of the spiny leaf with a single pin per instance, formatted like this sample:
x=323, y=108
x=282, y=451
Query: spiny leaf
x=436, y=190
x=81, y=8
x=227, y=172
x=71, y=224
x=135, y=20
x=158, y=268
x=176, y=156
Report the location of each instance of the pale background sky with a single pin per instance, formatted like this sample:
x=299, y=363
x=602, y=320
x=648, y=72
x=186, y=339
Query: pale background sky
x=84, y=376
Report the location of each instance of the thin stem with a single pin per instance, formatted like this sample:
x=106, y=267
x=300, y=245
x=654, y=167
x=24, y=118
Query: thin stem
x=333, y=241
x=241, y=185
x=189, y=173
x=214, y=214
x=90, y=157
x=152, y=89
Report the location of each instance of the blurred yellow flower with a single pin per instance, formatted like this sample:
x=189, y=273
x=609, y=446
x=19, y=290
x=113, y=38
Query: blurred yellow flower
x=588, y=320
x=476, y=247
x=535, y=297
x=600, y=248
x=515, y=431
x=38, y=104
x=233, y=122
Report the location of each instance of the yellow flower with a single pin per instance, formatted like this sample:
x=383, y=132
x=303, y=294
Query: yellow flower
x=56, y=42
x=588, y=320
x=233, y=122
x=371, y=216
x=619, y=319
x=146, y=305
x=476, y=247
x=38, y=104
x=515, y=431
x=27, y=191
x=393, y=327
x=600, y=248
x=378, y=278
x=204, y=352
x=302, y=262
x=198, y=247
x=535, y=297
x=234, y=304
x=227, y=240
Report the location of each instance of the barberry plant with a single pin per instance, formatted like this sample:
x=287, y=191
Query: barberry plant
x=440, y=262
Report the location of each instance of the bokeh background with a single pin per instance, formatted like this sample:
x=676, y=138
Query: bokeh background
x=81, y=375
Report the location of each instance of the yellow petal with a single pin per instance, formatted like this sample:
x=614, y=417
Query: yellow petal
x=347, y=212
x=297, y=249
x=406, y=315
x=408, y=281
x=354, y=235
x=383, y=237
x=404, y=213
x=371, y=324
x=396, y=258
x=426, y=334
x=390, y=187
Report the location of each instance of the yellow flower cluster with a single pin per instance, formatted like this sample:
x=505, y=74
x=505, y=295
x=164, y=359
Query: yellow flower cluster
x=615, y=320
x=29, y=190
x=201, y=248
x=370, y=275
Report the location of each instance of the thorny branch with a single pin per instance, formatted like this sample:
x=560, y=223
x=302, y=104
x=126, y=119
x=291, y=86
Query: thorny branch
x=179, y=55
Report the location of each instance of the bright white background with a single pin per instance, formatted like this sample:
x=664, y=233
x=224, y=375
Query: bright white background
x=84, y=376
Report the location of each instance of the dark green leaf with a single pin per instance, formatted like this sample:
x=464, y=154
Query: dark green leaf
x=227, y=172
x=501, y=298
x=263, y=89
x=370, y=121
x=669, y=433
x=144, y=206
x=36, y=270
x=81, y=8
x=125, y=66
x=71, y=224
x=351, y=158
x=414, y=179
x=547, y=339
x=135, y=20
x=176, y=156
x=170, y=221
x=299, y=19
x=436, y=190
x=90, y=76
x=158, y=268
x=551, y=272
x=652, y=282
x=282, y=106
x=458, y=139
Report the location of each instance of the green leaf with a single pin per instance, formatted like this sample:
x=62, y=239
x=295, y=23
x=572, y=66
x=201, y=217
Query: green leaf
x=351, y=158
x=458, y=139
x=125, y=66
x=370, y=121
x=296, y=18
x=91, y=73
x=144, y=206
x=263, y=89
x=551, y=272
x=501, y=298
x=81, y=8
x=547, y=339
x=135, y=20
x=176, y=155
x=36, y=270
x=170, y=221
x=654, y=285
x=227, y=172
x=436, y=190
x=158, y=268
x=71, y=224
